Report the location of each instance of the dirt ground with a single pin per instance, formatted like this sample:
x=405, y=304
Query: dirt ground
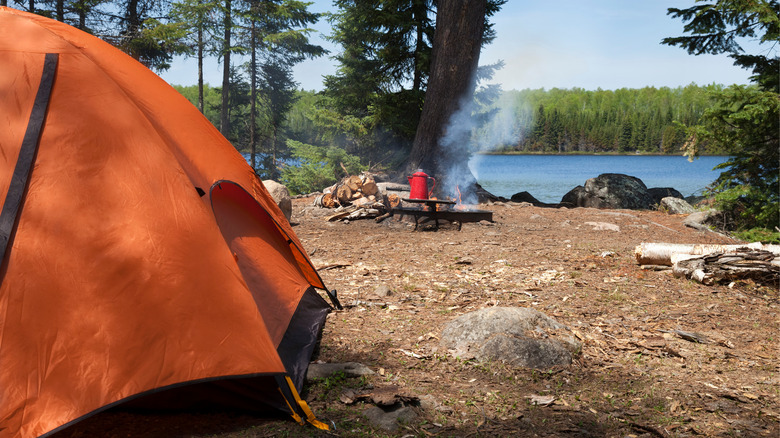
x=634, y=377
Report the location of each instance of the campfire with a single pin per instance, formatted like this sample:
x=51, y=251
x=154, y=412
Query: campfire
x=451, y=209
x=356, y=197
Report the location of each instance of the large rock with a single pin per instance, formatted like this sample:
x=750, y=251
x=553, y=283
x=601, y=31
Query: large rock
x=518, y=336
x=576, y=197
x=390, y=419
x=281, y=196
x=527, y=197
x=659, y=193
x=673, y=205
x=706, y=220
x=610, y=190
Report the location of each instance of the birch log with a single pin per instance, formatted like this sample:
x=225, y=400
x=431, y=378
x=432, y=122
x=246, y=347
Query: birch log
x=648, y=253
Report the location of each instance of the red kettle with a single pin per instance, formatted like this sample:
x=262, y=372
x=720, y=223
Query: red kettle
x=419, y=185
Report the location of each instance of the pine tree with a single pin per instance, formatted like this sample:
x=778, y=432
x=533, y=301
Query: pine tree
x=743, y=120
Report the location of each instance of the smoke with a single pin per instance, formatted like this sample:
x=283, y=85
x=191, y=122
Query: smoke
x=475, y=128
x=500, y=128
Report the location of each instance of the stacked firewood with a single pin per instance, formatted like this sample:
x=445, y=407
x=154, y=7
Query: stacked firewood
x=354, y=197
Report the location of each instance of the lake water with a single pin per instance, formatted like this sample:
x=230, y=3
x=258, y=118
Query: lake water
x=549, y=177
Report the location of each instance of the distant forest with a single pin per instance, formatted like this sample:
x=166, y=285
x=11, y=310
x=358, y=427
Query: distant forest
x=645, y=120
x=625, y=121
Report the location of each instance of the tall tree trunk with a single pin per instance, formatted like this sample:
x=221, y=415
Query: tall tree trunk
x=451, y=84
x=82, y=18
x=60, y=10
x=133, y=22
x=275, y=168
x=419, y=13
x=253, y=95
x=224, y=122
x=32, y=6
x=200, y=57
x=200, y=70
x=132, y=26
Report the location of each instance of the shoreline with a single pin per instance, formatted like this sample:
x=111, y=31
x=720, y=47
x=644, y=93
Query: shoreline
x=616, y=154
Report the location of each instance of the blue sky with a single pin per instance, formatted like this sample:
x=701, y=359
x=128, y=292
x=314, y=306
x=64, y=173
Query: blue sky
x=590, y=44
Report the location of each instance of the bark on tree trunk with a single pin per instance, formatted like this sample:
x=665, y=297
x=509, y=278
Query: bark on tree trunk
x=253, y=96
x=451, y=83
x=224, y=122
x=200, y=59
x=60, y=10
x=420, y=12
x=82, y=18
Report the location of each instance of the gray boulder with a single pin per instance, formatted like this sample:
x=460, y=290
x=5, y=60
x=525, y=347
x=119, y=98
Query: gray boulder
x=391, y=418
x=524, y=197
x=281, y=196
x=518, y=336
x=610, y=190
x=576, y=197
x=673, y=205
x=704, y=220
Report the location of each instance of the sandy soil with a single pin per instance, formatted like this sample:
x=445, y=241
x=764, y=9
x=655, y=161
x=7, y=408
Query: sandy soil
x=634, y=377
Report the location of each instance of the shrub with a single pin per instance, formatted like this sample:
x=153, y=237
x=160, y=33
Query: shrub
x=317, y=167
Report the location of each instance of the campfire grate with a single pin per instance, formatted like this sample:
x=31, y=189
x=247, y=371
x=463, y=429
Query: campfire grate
x=434, y=214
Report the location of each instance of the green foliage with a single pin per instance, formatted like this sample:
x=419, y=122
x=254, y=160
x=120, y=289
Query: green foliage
x=743, y=120
x=625, y=120
x=156, y=43
x=211, y=97
x=762, y=235
x=277, y=37
x=198, y=19
x=747, y=121
x=318, y=167
x=378, y=90
x=716, y=26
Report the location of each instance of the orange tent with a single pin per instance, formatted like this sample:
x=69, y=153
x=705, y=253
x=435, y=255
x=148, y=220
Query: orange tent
x=142, y=260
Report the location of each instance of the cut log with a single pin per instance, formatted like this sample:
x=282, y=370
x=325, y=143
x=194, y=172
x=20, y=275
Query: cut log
x=661, y=253
x=325, y=200
x=369, y=186
x=393, y=200
x=343, y=194
x=353, y=182
x=328, y=201
x=760, y=265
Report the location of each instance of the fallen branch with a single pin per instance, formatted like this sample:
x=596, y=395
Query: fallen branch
x=689, y=336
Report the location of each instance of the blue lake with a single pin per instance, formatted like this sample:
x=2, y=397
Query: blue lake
x=549, y=177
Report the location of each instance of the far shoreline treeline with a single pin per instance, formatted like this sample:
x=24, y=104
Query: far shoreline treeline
x=615, y=154
x=645, y=120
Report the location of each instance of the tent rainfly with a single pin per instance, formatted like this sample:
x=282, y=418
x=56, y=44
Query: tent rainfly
x=143, y=262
